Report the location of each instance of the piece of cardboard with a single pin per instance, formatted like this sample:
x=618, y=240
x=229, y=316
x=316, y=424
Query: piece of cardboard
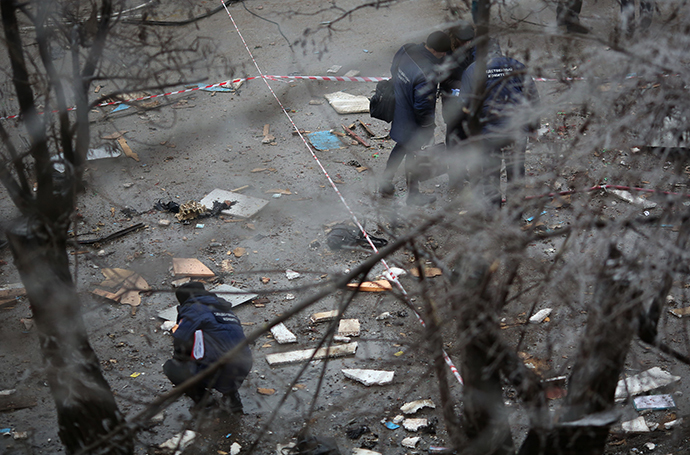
x=244, y=207
x=191, y=267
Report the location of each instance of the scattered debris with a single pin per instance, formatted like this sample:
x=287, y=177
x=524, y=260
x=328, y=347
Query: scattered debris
x=113, y=236
x=126, y=148
x=28, y=323
x=172, y=206
x=164, y=222
x=348, y=328
x=638, y=425
x=356, y=433
x=115, y=135
x=104, y=151
x=190, y=210
x=672, y=423
x=393, y=273
x=555, y=387
x=680, y=312
x=352, y=73
x=324, y=316
x=371, y=286
x=11, y=291
x=540, y=316
x=355, y=136
x=292, y=275
x=344, y=103
x=180, y=281
x=630, y=198
x=279, y=191
x=235, y=448
x=190, y=267
x=360, y=451
x=334, y=69
x=414, y=406
x=130, y=283
x=369, y=377
x=167, y=326
x=265, y=279
x=366, y=128
x=383, y=316
x=282, y=335
x=7, y=392
x=179, y=442
x=311, y=354
x=243, y=206
x=390, y=425
x=341, y=339
x=655, y=402
x=268, y=138
x=344, y=235
x=324, y=140
x=429, y=272
x=651, y=379
x=411, y=442
x=232, y=294
x=264, y=391
x=415, y=424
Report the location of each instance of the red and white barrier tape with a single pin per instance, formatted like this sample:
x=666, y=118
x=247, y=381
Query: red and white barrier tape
x=453, y=369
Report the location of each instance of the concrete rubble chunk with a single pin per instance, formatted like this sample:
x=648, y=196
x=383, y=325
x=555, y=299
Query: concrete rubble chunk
x=282, y=335
x=415, y=424
x=370, y=377
x=179, y=442
x=411, y=442
x=348, y=328
x=291, y=274
x=235, y=448
x=360, y=451
x=540, y=315
x=305, y=355
x=627, y=196
x=324, y=316
x=651, y=379
x=638, y=425
x=382, y=316
x=414, y=406
x=398, y=419
x=341, y=339
x=243, y=207
x=232, y=294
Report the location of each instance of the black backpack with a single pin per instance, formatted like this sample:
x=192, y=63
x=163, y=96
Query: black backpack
x=382, y=104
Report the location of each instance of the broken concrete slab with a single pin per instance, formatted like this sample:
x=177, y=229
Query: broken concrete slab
x=415, y=424
x=410, y=442
x=235, y=296
x=348, y=328
x=540, y=316
x=651, y=379
x=341, y=339
x=370, y=377
x=638, y=425
x=655, y=402
x=305, y=355
x=344, y=103
x=244, y=206
x=360, y=451
x=414, y=406
x=282, y=335
x=323, y=316
x=191, y=267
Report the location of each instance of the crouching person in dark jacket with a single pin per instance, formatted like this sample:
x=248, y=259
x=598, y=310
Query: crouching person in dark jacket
x=206, y=329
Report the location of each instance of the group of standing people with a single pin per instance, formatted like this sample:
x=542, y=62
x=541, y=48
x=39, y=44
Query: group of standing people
x=446, y=60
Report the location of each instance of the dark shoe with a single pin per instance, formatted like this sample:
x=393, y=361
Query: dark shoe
x=386, y=189
x=575, y=27
x=420, y=199
x=232, y=402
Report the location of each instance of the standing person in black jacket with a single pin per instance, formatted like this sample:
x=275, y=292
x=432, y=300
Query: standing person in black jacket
x=206, y=329
x=414, y=78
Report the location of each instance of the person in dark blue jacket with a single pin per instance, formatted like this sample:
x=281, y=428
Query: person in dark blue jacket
x=506, y=117
x=415, y=81
x=206, y=329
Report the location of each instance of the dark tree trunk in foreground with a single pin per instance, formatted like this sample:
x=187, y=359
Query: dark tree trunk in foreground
x=85, y=405
x=589, y=408
x=86, y=408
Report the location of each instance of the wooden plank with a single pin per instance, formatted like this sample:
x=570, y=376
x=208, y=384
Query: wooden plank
x=355, y=136
x=371, y=286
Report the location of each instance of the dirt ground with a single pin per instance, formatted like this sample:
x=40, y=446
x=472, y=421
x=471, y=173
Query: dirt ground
x=193, y=143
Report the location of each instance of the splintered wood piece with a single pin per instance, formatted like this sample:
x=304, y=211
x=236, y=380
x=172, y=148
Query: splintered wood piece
x=355, y=136
x=126, y=149
x=191, y=267
x=372, y=286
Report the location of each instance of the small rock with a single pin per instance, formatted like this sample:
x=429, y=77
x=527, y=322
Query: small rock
x=292, y=275
x=128, y=185
x=164, y=222
x=415, y=424
x=289, y=297
x=650, y=446
x=382, y=316
x=235, y=448
x=410, y=443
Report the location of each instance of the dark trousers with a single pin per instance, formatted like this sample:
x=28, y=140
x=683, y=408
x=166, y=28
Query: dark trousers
x=399, y=153
x=494, y=151
x=178, y=371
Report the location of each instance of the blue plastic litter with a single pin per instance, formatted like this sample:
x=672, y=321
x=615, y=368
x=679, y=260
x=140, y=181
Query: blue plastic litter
x=228, y=435
x=324, y=140
x=121, y=107
x=391, y=426
x=5, y=430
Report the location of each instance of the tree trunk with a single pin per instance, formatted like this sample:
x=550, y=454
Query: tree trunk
x=86, y=409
